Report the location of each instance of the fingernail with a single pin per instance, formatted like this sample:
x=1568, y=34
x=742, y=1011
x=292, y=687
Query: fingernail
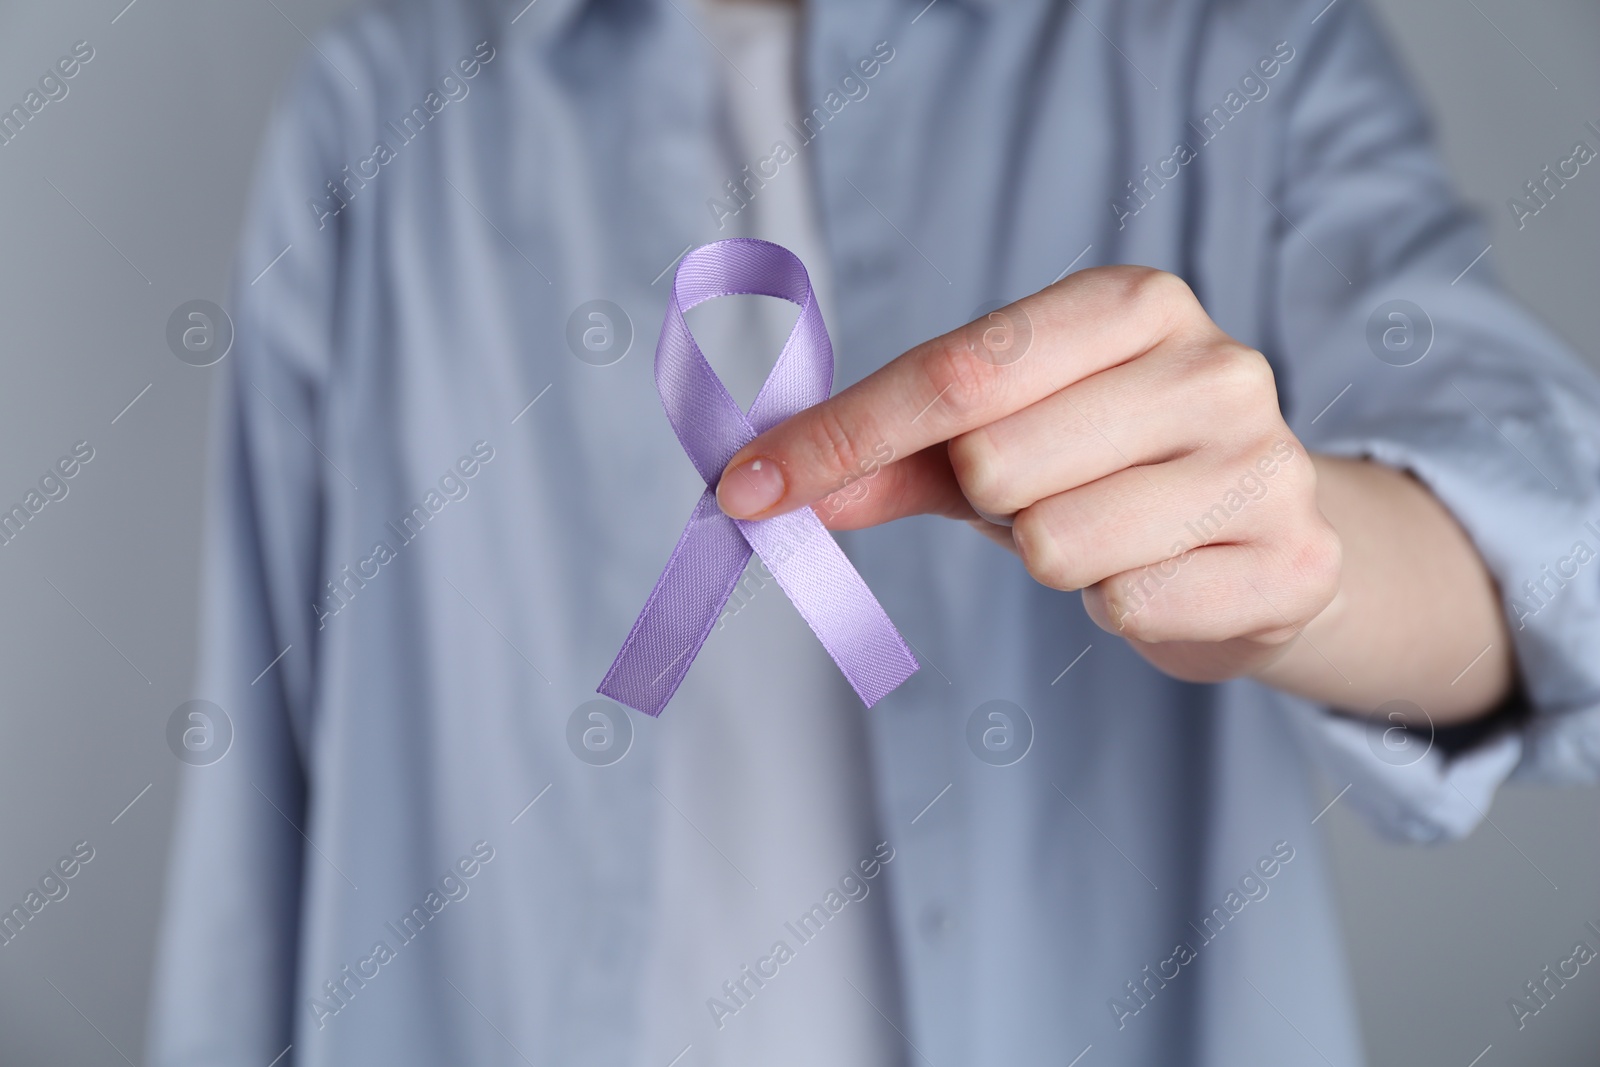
x=750, y=488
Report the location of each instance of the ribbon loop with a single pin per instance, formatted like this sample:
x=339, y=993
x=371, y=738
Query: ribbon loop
x=712, y=552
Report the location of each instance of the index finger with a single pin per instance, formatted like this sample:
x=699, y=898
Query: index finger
x=955, y=383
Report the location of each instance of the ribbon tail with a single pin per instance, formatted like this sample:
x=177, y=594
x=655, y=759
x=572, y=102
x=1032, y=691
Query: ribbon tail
x=832, y=597
x=681, y=611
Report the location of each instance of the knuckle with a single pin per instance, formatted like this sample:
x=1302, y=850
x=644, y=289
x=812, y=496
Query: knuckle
x=1128, y=607
x=979, y=472
x=1240, y=372
x=959, y=377
x=1157, y=300
x=1292, y=469
x=1318, y=560
x=1136, y=619
x=1040, y=554
x=1163, y=286
x=834, y=444
x=1163, y=292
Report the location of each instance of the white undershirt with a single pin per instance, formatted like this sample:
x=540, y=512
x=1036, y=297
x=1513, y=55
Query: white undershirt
x=764, y=771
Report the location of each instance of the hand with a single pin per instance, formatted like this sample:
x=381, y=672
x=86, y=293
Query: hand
x=1136, y=451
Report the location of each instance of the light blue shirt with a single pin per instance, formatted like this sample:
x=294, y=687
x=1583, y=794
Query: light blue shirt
x=1146, y=878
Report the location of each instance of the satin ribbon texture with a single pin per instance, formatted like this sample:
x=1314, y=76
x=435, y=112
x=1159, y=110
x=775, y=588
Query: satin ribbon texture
x=712, y=552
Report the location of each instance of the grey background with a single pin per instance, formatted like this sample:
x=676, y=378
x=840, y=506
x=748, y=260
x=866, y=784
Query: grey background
x=123, y=200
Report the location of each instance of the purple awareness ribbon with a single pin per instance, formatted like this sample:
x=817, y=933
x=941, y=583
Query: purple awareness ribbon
x=712, y=552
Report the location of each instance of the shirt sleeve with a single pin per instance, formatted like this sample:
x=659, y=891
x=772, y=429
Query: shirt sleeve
x=1401, y=347
x=227, y=949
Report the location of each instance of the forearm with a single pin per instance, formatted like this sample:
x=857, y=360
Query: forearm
x=1417, y=616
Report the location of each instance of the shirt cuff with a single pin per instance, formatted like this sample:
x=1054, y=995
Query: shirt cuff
x=1407, y=785
x=1540, y=540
